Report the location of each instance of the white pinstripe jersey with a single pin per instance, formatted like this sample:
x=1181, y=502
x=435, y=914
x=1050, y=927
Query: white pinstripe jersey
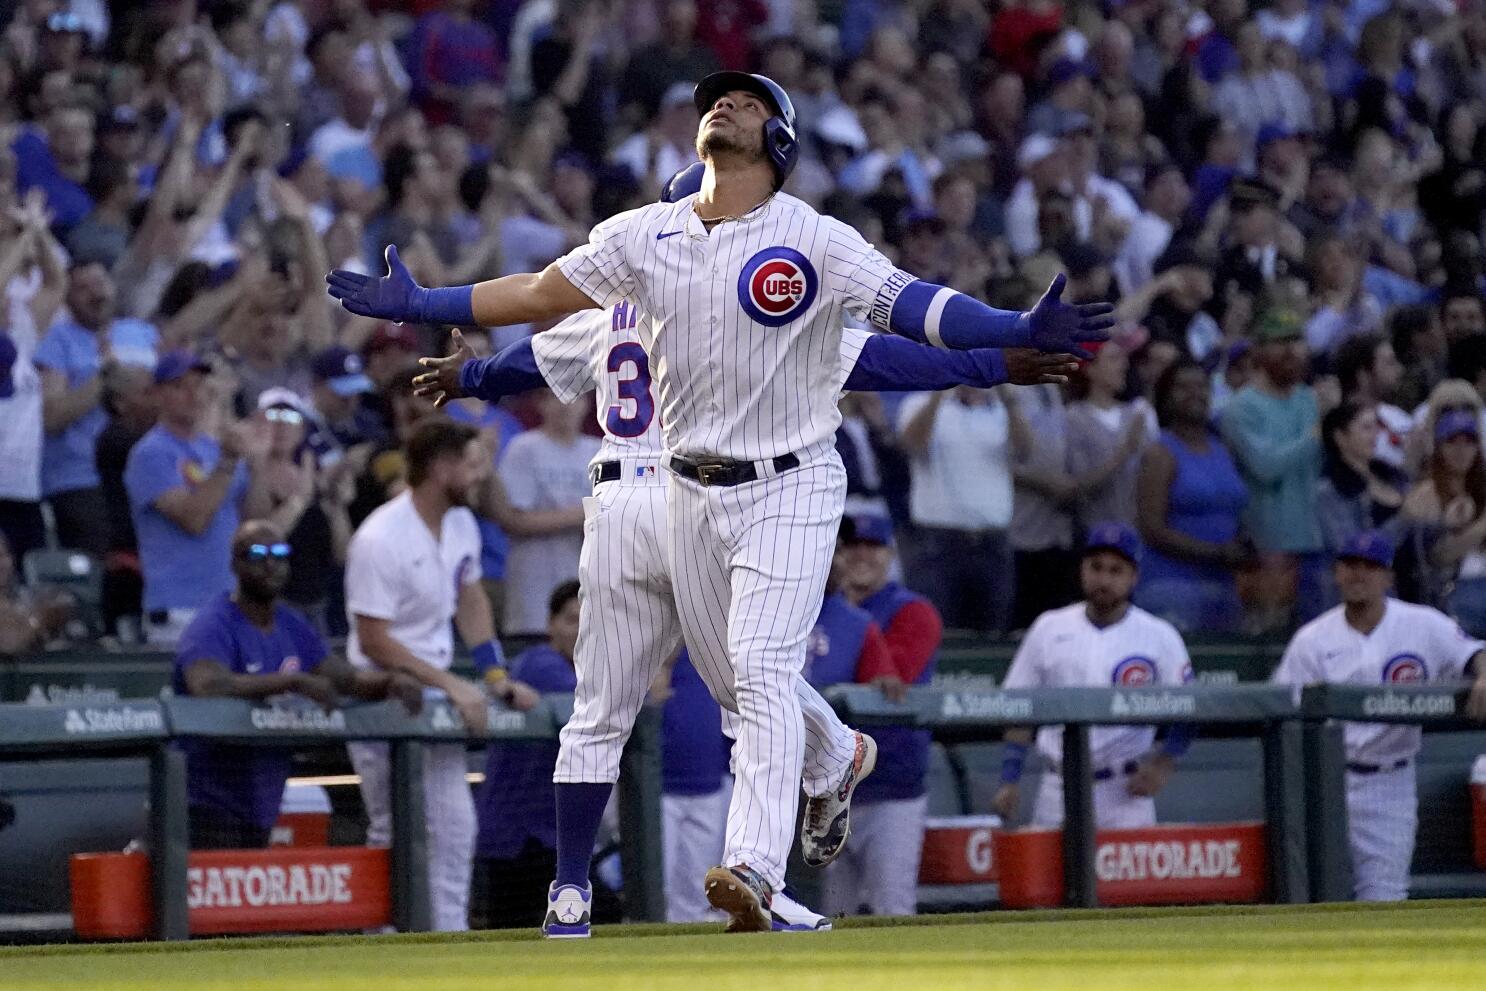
x=745, y=320
x=601, y=350
x=1411, y=644
x=1064, y=650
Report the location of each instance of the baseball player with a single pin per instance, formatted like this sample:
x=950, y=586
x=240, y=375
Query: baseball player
x=745, y=288
x=412, y=567
x=1103, y=640
x=880, y=871
x=1373, y=638
x=629, y=626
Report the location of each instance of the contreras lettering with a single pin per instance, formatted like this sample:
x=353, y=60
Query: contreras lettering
x=267, y=887
x=1172, y=860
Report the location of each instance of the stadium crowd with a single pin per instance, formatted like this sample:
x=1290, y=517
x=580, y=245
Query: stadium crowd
x=1285, y=201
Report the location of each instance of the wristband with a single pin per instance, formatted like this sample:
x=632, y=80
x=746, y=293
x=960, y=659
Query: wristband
x=488, y=657
x=1014, y=756
x=452, y=305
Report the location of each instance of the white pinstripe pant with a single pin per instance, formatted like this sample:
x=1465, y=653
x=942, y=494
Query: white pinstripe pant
x=628, y=628
x=450, y=810
x=1382, y=820
x=750, y=564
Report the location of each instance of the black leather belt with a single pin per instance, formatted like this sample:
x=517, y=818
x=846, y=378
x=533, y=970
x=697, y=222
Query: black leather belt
x=1356, y=768
x=728, y=472
x=1127, y=769
x=605, y=471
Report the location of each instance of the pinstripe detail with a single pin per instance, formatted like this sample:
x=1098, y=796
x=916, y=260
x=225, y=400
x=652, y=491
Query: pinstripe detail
x=936, y=310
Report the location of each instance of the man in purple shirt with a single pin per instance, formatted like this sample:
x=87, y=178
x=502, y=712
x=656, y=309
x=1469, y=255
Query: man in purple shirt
x=246, y=644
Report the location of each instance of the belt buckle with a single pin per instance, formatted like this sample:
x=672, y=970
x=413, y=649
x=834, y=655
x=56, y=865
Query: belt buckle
x=705, y=473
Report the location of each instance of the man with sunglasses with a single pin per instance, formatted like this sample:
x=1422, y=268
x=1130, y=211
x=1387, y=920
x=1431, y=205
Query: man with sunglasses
x=247, y=644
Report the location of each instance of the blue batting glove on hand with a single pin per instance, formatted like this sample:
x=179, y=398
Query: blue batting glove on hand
x=395, y=296
x=1054, y=325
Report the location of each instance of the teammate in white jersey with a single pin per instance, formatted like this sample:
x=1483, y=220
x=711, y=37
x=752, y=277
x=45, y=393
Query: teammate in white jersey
x=628, y=624
x=1373, y=639
x=1104, y=640
x=746, y=288
x=412, y=567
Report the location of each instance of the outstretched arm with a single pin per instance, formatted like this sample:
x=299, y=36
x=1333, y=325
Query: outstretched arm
x=512, y=299
x=513, y=370
x=895, y=364
x=938, y=315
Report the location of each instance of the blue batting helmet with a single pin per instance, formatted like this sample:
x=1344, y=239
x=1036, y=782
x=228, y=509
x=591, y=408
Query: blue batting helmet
x=684, y=183
x=780, y=141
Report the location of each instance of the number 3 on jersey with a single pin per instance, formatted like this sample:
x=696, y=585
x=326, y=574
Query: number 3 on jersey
x=630, y=417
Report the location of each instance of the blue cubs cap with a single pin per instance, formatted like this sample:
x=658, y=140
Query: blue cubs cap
x=176, y=365
x=340, y=368
x=1115, y=537
x=8, y=356
x=1374, y=546
x=867, y=528
x=1455, y=423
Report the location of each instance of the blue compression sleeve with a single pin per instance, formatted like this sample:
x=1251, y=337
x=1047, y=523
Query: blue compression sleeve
x=488, y=655
x=1014, y=755
x=940, y=316
x=451, y=305
x=896, y=364
x=511, y=371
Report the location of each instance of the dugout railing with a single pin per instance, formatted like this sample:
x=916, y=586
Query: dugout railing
x=146, y=728
x=1438, y=709
x=1268, y=712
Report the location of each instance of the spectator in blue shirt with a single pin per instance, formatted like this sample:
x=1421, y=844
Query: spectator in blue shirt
x=71, y=359
x=248, y=645
x=187, y=493
x=517, y=807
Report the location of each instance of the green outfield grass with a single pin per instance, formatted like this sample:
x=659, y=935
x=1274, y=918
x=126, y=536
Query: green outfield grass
x=1417, y=945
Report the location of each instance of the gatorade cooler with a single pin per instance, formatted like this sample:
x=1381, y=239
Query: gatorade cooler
x=304, y=818
x=1478, y=809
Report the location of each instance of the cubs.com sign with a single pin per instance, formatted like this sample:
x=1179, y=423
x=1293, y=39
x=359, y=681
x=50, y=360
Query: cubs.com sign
x=776, y=286
x=301, y=889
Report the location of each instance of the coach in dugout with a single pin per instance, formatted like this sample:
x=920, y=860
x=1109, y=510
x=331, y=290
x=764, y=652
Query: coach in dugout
x=1103, y=640
x=247, y=644
x=879, y=870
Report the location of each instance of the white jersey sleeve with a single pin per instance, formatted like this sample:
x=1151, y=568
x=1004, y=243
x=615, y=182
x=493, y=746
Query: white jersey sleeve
x=861, y=276
x=462, y=532
x=564, y=353
x=1301, y=663
x=373, y=577
x=1026, y=669
x=1174, y=662
x=1451, y=646
x=601, y=269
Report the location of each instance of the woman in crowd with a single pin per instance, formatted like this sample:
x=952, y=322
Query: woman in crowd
x=1356, y=491
x=1447, y=510
x=1188, y=502
x=1106, y=433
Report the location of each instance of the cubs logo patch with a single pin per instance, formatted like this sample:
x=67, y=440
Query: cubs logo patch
x=776, y=286
x=1135, y=670
x=1405, y=669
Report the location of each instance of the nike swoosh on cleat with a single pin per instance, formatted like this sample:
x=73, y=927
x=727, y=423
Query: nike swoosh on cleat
x=662, y=237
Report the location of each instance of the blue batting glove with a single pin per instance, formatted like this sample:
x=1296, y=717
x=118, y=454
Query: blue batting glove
x=395, y=296
x=1054, y=325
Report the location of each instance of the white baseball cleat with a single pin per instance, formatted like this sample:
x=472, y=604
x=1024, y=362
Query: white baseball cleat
x=567, y=912
x=827, y=821
x=789, y=916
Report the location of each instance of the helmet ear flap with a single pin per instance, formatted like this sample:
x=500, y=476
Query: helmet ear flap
x=782, y=147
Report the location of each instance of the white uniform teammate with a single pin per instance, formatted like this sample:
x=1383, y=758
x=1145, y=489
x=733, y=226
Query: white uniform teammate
x=412, y=567
x=1104, y=640
x=746, y=289
x=1372, y=639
